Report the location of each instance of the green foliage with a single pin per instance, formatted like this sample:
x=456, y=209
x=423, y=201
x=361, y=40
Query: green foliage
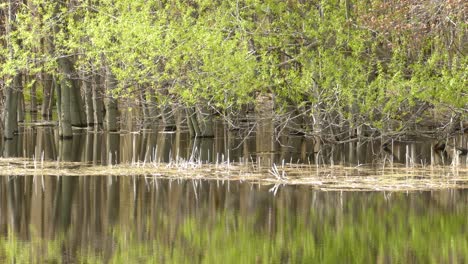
x=339, y=55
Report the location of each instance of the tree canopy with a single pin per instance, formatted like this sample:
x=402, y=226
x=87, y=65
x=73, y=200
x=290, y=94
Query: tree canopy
x=359, y=62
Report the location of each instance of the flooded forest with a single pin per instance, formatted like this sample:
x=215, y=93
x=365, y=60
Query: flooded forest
x=247, y=131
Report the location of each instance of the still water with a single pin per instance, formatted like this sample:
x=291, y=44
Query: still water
x=262, y=147
x=141, y=220
x=127, y=219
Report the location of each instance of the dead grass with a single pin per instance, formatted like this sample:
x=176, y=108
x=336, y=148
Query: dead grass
x=358, y=178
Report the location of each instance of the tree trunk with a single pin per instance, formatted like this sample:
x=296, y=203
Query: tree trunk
x=166, y=110
x=77, y=112
x=58, y=89
x=192, y=123
x=65, y=115
x=153, y=110
x=66, y=86
x=71, y=107
x=205, y=122
x=21, y=104
x=168, y=118
x=111, y=103
x=33, y=96
x=2, y=105
x=47, y=86
x=10, y=118
x=265, y=134
x=11, y=108
x=97, y=101
x=144, y=108
x=88, y=103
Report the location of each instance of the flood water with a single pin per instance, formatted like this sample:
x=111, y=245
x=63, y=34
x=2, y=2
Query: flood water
x=262, y=147
x=140, y=220
x=129, y=219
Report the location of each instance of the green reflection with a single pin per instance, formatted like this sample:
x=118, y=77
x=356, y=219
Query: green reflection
x=214, y=223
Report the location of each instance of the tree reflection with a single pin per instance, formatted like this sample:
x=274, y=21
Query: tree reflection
x=128, y=218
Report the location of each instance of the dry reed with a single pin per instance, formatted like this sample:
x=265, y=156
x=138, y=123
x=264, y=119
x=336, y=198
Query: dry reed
x=352, y=178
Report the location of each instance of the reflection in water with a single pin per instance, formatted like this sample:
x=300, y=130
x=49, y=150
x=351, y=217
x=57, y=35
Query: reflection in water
x=10, y=147
x=67, y=151
x=126, y=219
x=260, y=147
x=113, y=148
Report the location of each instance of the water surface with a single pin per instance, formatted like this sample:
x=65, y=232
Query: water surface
x=130, y=219
x=260, y=146
x=145, y=220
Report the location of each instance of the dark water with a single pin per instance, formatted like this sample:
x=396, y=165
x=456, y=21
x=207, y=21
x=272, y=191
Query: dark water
x=142, y=220
x=259, y=146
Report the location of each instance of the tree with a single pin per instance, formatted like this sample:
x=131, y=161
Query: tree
x=336, y=70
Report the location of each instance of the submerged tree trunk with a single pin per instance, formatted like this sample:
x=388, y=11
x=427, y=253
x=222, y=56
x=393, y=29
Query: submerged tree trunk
x=71, y=107
x=11, y=108
x=10, y=117
x=166, y=109
x=168, y=118
x=111, y=103
x=113, y=148
x=153, y=110
x=47, y=94
x=192, y=122
x=149, y=109
x=205, y=122
x=88, y=102
x=33, y=96
x=265, y=136
x=200, y=122
x=77, y=113
x=58, y=90
x=144, y=108
x=97, y=101
x=64, y=92
x=65, y=116
x=21, y=104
